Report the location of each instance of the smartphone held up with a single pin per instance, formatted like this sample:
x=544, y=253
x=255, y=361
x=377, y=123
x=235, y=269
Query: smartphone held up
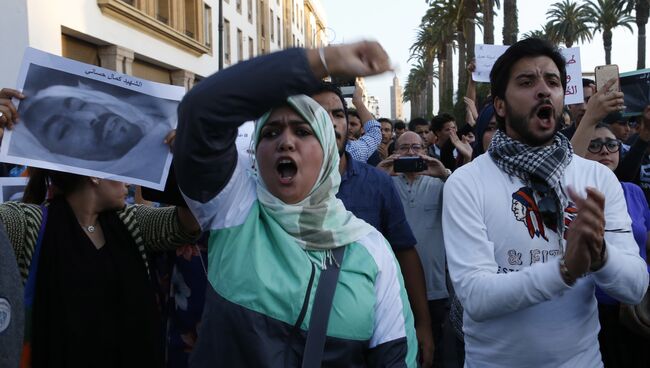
x=604, y=73
x=409, y=164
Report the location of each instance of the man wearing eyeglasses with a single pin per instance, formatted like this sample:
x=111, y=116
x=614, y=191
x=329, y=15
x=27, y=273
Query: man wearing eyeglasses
x=528, y=295
x=421, y=195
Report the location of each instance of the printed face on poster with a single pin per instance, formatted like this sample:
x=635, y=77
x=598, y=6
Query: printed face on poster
x=91, y=121
x=487, y=55
x=12, y=189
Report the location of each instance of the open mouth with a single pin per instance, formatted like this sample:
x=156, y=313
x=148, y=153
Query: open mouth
x=545, y=112
x=287, y=169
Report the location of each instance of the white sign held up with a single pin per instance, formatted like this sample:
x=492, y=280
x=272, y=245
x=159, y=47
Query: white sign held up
x=486, y=56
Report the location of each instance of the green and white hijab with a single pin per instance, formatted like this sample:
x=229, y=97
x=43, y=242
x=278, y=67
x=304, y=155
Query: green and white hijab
x=320, y=221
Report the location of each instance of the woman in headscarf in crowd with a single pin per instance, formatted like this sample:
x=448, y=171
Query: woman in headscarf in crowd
x=486, y=125
x=275, y=224
x=82, y=255
x=619, y=346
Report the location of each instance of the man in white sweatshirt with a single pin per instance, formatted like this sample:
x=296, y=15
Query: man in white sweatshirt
x=530, y=228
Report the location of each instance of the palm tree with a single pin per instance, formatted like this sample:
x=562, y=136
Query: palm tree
x=415, y=90
x=568, y=22
x=487, y=8
x=510, y=22
x=424, y=50
x=642, y=10
x=440, y=21
x=545, y=33
x=466, y=20
x=605, y=16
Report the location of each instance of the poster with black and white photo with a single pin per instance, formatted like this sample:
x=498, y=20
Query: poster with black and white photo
x=87, y=120
x=12, y=189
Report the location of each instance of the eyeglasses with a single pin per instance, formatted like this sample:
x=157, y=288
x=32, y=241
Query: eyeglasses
x=407, y=147
x=596, y=145
x=547, y=205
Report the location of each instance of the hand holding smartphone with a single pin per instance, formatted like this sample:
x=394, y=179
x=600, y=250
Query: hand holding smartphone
x=409, y=164
x=604, y=73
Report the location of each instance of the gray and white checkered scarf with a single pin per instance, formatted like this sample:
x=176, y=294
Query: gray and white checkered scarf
x=523, y=161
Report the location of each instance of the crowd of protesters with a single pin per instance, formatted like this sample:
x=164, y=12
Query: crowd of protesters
x=517, y=237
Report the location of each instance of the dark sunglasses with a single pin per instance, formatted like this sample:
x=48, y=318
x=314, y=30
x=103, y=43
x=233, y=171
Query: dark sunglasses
x=547, y=204
x=596, y=145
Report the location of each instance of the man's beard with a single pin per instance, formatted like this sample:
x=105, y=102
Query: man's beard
x=337, y=135
x=520, y=124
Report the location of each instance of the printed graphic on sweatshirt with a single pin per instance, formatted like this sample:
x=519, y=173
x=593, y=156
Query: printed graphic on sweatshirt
x=525, y=209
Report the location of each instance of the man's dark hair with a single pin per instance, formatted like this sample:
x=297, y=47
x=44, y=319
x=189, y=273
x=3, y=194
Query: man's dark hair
x=331, y=87
x=352, y=111
x=386, y=120
x=529, y=47
x=586, y=82
x=417, y=122
x=614, y=117
x=399, y=125
x=438, y=121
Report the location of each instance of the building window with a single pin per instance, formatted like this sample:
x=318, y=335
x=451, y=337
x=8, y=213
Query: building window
x=251, y=48
x=207, y=25
x=146, y=70
x=191, y=18
x=238, y=6
x=272, y=28
x=250, y=11
x=163, y=11
x=226, y=40
x=279, y=33
x=80, y=50
x=262, y=19
x=240, y=45
x=180, y=22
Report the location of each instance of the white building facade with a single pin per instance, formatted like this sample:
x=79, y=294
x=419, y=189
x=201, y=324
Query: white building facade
x=168, y=41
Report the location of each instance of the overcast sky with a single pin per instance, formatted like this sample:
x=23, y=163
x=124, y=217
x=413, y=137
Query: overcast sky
x=394, y=24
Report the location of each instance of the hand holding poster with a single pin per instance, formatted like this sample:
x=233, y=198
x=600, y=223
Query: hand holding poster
x=487, y=55
x=91, y=121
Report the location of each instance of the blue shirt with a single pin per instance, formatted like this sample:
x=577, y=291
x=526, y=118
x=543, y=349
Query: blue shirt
x=370, y=195
x=362, y=148
x=637, y=208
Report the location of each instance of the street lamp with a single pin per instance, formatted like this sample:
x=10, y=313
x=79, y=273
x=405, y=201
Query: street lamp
x=220, y=32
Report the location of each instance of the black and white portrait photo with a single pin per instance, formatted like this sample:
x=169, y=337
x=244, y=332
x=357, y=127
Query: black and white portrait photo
x=12, y=189
x=92, y=121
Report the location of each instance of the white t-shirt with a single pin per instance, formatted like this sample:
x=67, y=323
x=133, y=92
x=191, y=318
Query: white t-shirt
x=504, y=264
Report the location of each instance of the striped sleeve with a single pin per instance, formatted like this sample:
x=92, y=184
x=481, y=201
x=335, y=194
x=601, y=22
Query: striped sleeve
x=393, y=343
x=155, y=229
x=22, y=222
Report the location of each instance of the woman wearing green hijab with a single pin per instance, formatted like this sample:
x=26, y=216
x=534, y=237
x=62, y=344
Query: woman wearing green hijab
x=275, y=224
